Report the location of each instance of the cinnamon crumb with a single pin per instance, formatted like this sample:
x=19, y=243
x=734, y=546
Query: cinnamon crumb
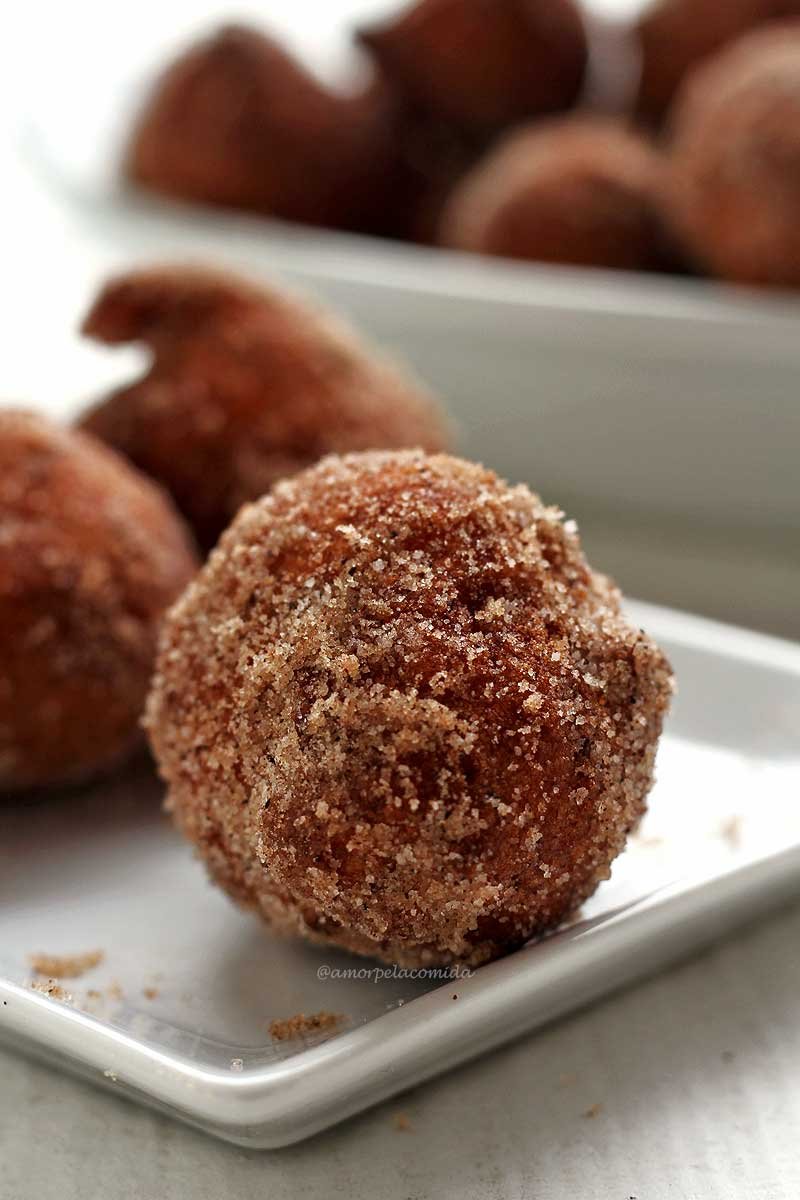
x=66, y=966
x=300, y=1025
x=150, y=993
x=53, y=989
x=731, y=831
x=593, y=1111
x=402, y=1123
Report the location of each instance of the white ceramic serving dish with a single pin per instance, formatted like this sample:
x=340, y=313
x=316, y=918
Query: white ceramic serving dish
x=177, y=1014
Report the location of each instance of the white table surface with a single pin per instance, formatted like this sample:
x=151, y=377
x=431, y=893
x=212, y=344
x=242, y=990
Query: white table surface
x=697, y=1073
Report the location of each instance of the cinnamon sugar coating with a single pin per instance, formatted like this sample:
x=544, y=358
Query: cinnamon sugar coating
x=574, y=190
x=675, y=35
x=235, y=120
x=91, y=553
x=246, y=385
x=397, y=711
x=735, y=162
x=480, y=65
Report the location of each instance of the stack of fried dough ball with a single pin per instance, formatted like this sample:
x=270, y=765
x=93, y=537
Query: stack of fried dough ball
x=91, y=554
x=399, y=713
x=246, y=385
x=477, y=132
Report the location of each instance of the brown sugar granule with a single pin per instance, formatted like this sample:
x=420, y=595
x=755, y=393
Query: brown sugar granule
x=246, y=385
x=151, y=993
x=300, y=1025
x=731, y=830
x=53, y=989
x=734, y=178
x=66, y=966
x=580, y=190
x=339, y=711
x=91, y=553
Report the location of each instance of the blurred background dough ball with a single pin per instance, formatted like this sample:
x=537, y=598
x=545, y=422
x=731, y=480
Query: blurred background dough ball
x=674, y=35
x=735, y=159
x=398, y=712
x=246, y=385
x=573, y=190
x=91, y=553
x=236, y=121
x=482, y=64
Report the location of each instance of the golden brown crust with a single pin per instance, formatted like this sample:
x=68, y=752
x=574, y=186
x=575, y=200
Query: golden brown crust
x=236, y=121
x=584, y=190
x=246, y=386
x=734, y=182
x=91, y=554
x=396, y=711
x=483, y=64
x=675, y=35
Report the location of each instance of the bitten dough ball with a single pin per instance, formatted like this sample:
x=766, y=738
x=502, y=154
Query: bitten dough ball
x=236, y=121
x=584, y=191
x=675, y=35
x=398, y=712
x=245, y=386
x=483, y=64
x=91, y=553
x=735, y=161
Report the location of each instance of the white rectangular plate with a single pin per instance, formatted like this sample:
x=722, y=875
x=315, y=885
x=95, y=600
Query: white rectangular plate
x=177, y=1014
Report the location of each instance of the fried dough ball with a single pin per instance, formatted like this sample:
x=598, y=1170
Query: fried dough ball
x=735, y=163
x=675, y=35
x=575, y=190
x=236, y=121
x=398, y=712
x=246, y=385
x=483, y=64
x=91, y=553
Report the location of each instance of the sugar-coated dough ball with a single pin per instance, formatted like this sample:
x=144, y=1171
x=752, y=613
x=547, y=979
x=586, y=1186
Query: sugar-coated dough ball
x=91, y=553
x=246, y=385
x=398, y=712
x=579, y=190
x=735, y=161
x=483, y=64
x=236, y=121
x=675, y=35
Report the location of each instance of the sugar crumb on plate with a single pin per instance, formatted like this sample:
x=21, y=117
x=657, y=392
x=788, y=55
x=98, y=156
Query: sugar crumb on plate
x=299, y=1025
x=66, y=966
x=51, y=988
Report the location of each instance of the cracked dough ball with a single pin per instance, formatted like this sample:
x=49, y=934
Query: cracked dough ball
x=245, y=385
